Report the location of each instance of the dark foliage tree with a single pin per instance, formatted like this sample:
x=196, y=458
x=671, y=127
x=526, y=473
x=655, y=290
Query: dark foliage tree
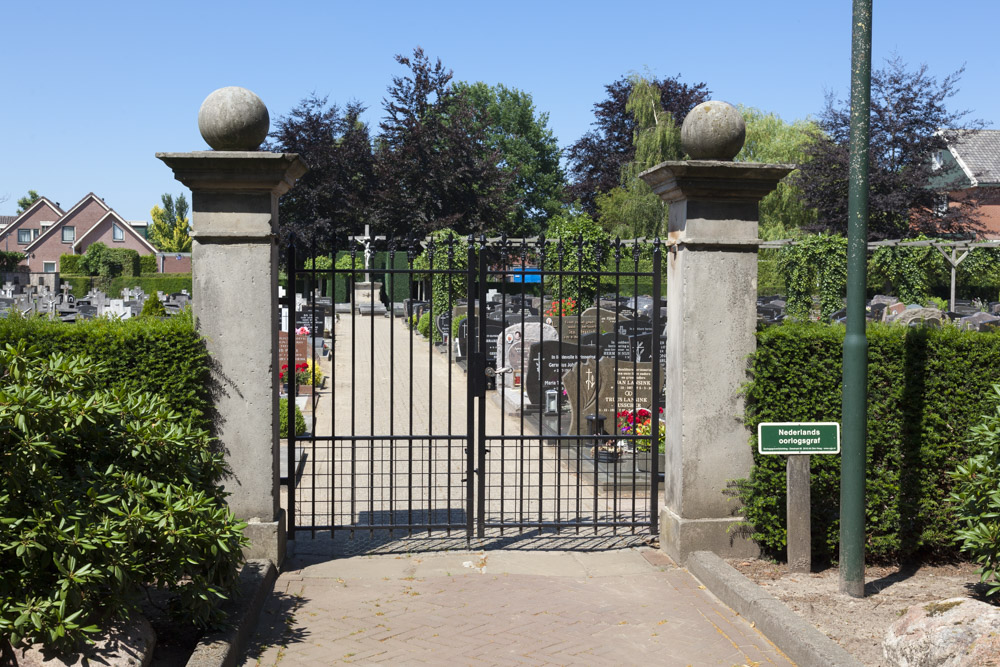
x=528, y=150
x=434, y=163
x=597, y=158
x=333, y=200
x=909, y=126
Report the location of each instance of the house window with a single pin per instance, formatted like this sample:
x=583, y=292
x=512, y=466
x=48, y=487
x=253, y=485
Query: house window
x=69, y=234
x=49, y=267
x=117, y=233
x=24, y=236
x=34, y=233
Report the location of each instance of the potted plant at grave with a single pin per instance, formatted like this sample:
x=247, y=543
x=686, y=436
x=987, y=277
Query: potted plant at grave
x=640, y=423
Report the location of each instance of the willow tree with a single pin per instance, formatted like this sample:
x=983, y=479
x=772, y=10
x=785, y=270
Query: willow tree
x=632, y=209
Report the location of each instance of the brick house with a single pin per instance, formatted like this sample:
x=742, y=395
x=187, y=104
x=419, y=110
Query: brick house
x=972, y=162
x=44, y=232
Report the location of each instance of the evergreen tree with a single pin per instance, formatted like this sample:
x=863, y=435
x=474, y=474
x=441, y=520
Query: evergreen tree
x=170, y=231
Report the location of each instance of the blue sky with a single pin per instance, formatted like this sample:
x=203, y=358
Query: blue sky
x=93, y=89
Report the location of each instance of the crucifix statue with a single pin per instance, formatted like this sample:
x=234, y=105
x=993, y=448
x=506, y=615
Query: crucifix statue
x=366, y=243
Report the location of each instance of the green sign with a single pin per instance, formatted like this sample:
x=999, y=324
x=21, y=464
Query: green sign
x=798, y=438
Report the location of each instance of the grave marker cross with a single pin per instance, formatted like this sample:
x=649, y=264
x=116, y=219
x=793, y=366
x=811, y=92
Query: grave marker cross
x=366, y=243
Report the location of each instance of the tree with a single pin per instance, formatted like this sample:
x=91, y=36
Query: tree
x=769, y=139
x=25, y=202
x=434, y=162
x=528, y=151
x=170, y=231
x=334, y=198
x=597, y=158
x=908, y=114
x=632, y=209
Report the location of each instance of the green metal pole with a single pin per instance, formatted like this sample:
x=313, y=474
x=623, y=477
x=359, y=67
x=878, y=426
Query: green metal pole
x=855, y=396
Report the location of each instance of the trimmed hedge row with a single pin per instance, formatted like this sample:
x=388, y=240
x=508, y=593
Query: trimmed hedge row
x=165, y=357
x=165, y=282
x=926, y=389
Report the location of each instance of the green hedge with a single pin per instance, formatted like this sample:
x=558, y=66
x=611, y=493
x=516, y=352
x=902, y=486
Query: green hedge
x=926, y=388
x=148, y=264
x=168, y=283
x=71, y=264
x=165, y=357
x=79, y=285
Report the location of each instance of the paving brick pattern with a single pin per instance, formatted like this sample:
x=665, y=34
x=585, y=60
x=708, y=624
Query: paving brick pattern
x=620, y=607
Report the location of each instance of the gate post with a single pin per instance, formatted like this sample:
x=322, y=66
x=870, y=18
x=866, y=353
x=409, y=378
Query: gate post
x=234, y=258
x=711, y=321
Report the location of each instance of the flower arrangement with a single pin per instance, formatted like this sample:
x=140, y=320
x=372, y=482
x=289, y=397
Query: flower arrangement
x=562, y=308
x=302, y=375
x=640, y=423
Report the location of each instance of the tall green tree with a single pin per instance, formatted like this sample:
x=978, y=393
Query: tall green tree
x=25, y=202
x=170, y=231
x=333, y=200
x=529, y=153
x=596, y=159
x=910, y=121
x=769, y=139
x=434, y=163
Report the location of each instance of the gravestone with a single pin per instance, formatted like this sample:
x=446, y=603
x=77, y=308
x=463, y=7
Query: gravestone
x=548, y=361
x=520, y=334
x=614, y=346
x=642, y=348
x=580, y=383
x=625, y=386
x=301, y=348
x=443, y=324
x=980, y=322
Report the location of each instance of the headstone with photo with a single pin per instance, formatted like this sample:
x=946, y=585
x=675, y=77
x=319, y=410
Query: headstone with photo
x=548, y=361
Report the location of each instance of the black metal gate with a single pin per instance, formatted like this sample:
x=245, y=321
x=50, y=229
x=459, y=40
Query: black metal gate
x=468, y=390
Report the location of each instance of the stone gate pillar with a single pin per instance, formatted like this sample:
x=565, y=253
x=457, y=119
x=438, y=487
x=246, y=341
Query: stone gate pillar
x=234, y=257
x=711, y=320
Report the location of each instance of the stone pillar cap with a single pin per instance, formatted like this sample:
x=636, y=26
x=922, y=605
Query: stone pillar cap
x=236, y=171
x=714, y=180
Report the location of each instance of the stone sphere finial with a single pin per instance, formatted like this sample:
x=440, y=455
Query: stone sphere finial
x=713, y=130
x=233, y=119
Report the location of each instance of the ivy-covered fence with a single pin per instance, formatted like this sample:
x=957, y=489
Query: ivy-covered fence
x=926, y=389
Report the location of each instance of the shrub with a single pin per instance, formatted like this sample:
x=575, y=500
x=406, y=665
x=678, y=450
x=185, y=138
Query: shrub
x=976, y=498
x=148, y=264
x=926, y=388
x=70, y=264
x=10, y=259
x=168, y=283
x=300, y=421
x=153, y=307
x=107, y=492
x=100, y=260
x=424, y=325
x=141, y=354
x=79, y=285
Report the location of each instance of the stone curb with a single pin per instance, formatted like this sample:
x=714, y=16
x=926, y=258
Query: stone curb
x=223, y=648
x=800, y=641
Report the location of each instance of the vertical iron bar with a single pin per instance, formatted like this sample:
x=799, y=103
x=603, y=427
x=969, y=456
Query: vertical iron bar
x=391, y=274
x=471, y=346
x=654, y=488
x=852, y=484
x=354, y=430
x=289, y=402
x=483, y=469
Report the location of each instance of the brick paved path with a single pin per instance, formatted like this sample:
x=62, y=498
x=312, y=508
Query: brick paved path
x=617, y=607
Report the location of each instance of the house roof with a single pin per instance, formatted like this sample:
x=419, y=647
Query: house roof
x=90, y=196
x=7, y=219
x=41, y=201
x=122, y=223
x=978, y=154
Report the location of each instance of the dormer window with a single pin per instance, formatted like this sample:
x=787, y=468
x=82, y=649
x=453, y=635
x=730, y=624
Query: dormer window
x=68, y=234
x=24, y=236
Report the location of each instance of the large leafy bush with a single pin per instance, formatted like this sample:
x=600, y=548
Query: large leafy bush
x=106, y=491
x=977, y=498
x=926, y=389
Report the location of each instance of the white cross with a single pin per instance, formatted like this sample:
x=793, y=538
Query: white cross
x=366, y=242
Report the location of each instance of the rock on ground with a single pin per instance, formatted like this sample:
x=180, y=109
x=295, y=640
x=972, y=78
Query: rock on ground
x=956, y=632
